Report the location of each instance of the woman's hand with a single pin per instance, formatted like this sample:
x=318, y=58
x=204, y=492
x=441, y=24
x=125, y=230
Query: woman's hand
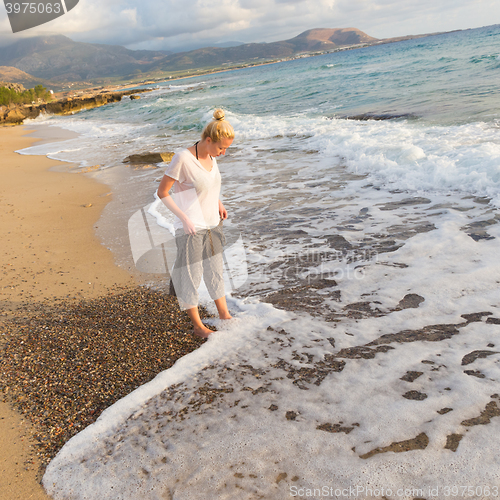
x=163, y=193
x=188, y=226
x=222, y=211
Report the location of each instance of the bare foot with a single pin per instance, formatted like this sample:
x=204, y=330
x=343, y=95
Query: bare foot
x=225, y=315
x=202, y=331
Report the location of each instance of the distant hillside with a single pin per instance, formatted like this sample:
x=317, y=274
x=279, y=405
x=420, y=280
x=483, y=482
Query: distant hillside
x=60, y=59
x=325, y=39
x=313, y=40
x=14, y=75
x=228, y=44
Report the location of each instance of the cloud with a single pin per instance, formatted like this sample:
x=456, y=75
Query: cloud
x=289, y=1
x=178, y=24
x=129, y=15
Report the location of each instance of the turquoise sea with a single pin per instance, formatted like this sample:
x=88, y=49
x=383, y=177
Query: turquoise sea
x=363, y=188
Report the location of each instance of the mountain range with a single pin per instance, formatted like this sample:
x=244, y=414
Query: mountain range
x=58, y=59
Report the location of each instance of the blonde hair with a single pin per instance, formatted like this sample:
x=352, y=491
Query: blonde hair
x=218, y=128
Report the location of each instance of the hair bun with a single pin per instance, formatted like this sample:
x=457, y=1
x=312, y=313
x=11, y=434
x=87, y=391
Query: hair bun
x=219, y=115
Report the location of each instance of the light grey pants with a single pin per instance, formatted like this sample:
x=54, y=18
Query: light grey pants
x=198, y=255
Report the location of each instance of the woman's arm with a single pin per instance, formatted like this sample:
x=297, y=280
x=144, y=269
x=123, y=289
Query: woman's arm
x=163, y=193
x=222, y=211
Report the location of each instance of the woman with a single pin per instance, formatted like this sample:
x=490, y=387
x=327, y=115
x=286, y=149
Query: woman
x=195, y=178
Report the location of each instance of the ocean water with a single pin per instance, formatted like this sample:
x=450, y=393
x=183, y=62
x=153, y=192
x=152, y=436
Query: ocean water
x=363, y=359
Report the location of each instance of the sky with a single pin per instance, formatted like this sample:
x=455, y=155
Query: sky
x=188, y=24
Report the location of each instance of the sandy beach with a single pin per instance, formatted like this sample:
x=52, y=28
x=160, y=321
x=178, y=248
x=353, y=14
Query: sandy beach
x=49, y=251
x=49, y=247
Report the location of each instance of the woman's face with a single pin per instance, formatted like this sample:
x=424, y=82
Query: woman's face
x=218, y=148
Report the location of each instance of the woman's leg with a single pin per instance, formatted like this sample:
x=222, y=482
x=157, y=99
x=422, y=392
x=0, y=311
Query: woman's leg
x=199, y=329
x=186, y=277
x=222, y=308
x=213, y=269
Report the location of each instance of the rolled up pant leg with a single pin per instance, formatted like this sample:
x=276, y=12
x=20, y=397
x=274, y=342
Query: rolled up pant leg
x=198, y=255
x=213, y=262
x=188, y=270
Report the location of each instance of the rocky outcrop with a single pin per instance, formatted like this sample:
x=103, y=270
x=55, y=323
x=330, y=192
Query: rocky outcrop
x=14, y=86
x=11, y=114
x=16, y=114
x=145, y=158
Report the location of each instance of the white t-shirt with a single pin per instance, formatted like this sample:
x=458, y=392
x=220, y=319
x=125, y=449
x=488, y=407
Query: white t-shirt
x=196, y=191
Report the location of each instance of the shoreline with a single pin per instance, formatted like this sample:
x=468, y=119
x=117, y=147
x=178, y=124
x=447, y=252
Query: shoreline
x=54, y=264
x=50, y=216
